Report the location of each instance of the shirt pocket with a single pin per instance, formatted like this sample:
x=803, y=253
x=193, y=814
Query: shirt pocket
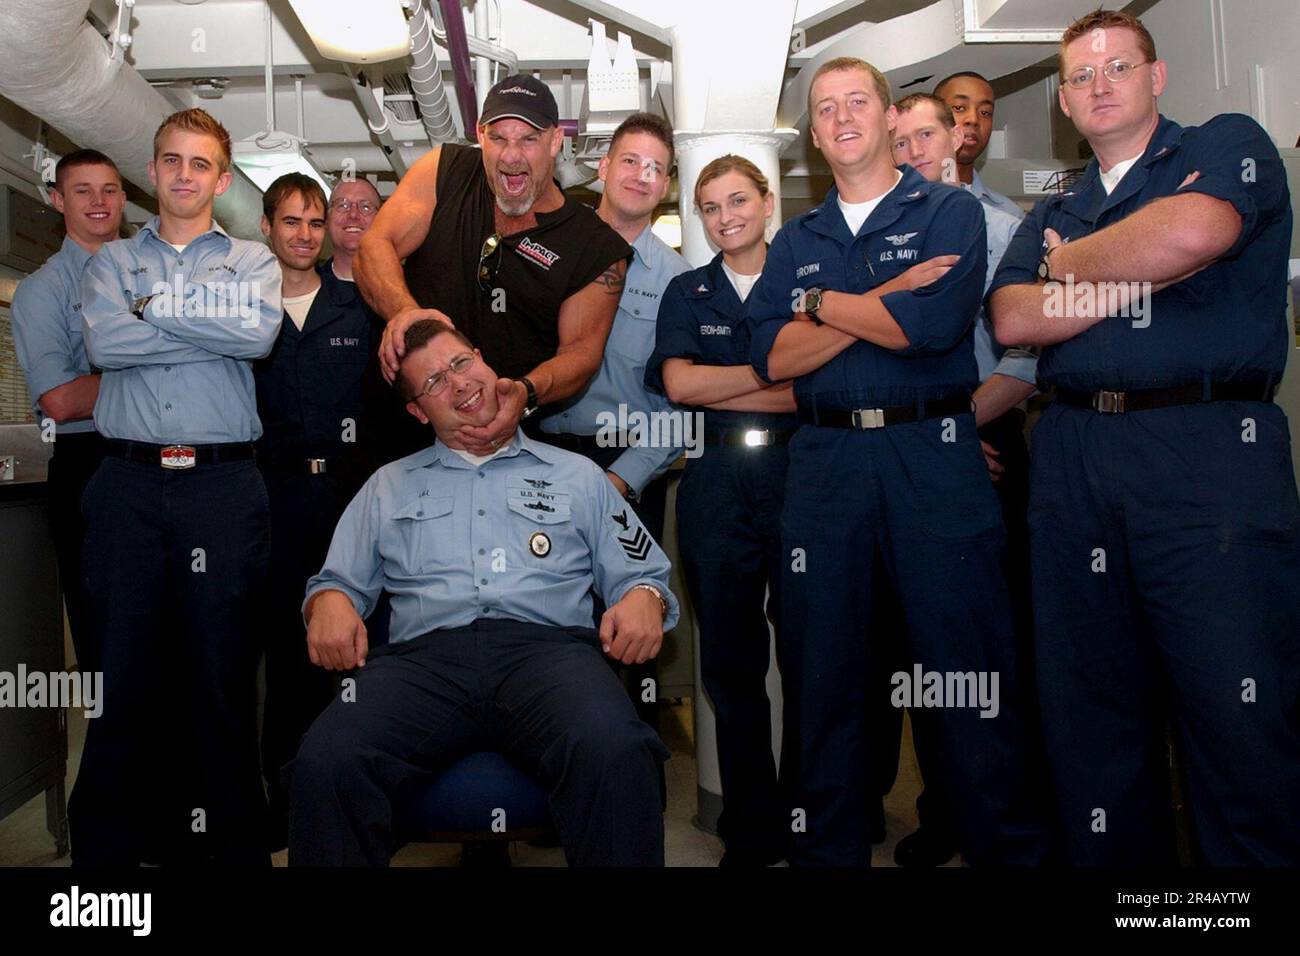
x=543, y=535
x=633, y=337
x=420, y=536
x=542, y=505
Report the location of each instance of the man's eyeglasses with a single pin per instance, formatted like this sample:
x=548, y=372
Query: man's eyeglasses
x=489, y=261
x=437, y=382
x=366, y=207
x=1117, y=71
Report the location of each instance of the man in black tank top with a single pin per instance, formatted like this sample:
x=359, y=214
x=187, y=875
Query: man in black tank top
x=494, y=248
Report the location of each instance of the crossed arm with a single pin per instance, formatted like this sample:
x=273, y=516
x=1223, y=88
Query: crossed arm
x=1163, y=243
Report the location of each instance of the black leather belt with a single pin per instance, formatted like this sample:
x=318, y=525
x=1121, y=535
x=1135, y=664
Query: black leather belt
x=747, y=437
x=313, y=466
x=178, y=457
x=1142, y=399
x=864, y=418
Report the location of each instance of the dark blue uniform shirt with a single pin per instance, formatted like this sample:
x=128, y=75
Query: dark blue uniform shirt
x=701, y=318
x=311, y=382
x=1227, y=322
x=917, y=220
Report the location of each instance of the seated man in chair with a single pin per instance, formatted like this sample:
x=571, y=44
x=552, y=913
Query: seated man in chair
x=490, y=562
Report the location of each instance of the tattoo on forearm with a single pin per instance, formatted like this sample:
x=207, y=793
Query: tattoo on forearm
x=612, y=279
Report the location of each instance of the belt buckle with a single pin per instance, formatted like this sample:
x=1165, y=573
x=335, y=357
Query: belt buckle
x=178, y=457
x=757, y=438
x=863, y=418
x=1108, y=403
x=316, y=466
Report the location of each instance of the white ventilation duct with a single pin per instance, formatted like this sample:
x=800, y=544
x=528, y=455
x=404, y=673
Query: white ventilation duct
x=426, y=80
x=54, y=65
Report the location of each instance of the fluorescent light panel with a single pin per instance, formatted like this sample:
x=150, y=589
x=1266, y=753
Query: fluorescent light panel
x=355, y=31
x=265, y=166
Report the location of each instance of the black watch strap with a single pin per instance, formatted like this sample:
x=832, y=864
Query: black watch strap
x=530, y=404
x=812, y=312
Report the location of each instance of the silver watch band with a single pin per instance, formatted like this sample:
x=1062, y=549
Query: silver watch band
x=663, y=602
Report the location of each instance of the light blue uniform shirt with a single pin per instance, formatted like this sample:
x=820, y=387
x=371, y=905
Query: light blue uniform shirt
x=180, y=371
x=990, y=198
x=47, y=327
x=989, y=356
x=621, y=378
x=524, y=536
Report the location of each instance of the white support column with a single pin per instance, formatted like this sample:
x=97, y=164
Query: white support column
x=696, y=150
x=728, y=70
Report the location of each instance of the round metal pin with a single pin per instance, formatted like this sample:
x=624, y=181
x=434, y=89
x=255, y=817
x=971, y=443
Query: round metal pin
x=539, y=544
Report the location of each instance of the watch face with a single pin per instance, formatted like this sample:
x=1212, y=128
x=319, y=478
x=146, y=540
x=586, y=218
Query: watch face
x=1044, y=271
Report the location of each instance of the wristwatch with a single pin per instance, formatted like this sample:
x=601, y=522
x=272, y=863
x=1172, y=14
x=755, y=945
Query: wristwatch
x=530, y=404
x=1045, y=266
x=812, y=301
x=663, y=604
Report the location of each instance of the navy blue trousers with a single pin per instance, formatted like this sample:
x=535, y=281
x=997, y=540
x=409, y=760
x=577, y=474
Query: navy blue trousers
x=170, y=768
x=728, y=528
x=76, y=458
x=933, y=809
x=304, y=510
x=542, y=696
x=1166, y=557
x=903, y=501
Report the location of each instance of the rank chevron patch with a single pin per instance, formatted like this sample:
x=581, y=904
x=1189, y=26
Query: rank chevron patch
x=637, y=545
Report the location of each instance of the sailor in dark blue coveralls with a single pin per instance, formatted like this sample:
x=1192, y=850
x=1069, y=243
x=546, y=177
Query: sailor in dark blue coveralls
x=309, y=400
x=729, y=500
x=886, y=474
x=1165, y=530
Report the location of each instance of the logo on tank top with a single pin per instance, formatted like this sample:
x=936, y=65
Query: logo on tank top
x=537, y=253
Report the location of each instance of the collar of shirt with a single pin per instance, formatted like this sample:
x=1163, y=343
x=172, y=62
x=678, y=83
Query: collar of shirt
x=440, y=454
x=76, y=255
x=341, y=292
x=654, y=263
x=1088, y=191
x=644, y=249
x=653, y=253
x=151, y=228
x=1110, y=178
x=827, y=219
x=977, y=185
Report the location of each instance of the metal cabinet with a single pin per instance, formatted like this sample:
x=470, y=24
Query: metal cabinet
x=33, y=740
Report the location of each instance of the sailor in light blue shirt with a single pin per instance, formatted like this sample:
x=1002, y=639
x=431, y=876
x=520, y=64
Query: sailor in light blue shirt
x=522, y=535
x=178, y=538
x=970, y=100
x=991, y=357
x=60, y=380
x=175, y=332
x=490, y=561
x=621, y=378
x=991, y=198
x=47, y=328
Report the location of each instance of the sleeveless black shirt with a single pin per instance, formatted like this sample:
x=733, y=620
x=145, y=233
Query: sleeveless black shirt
x=515, y=322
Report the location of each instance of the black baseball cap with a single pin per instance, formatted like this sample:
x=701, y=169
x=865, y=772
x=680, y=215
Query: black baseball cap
x=522, y=98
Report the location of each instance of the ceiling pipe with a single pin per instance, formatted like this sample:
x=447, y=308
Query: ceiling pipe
x=426, y=79
x=376, y=116
x=54, y=65
x=479, y=47
x=453, y=21
x=363, y=157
